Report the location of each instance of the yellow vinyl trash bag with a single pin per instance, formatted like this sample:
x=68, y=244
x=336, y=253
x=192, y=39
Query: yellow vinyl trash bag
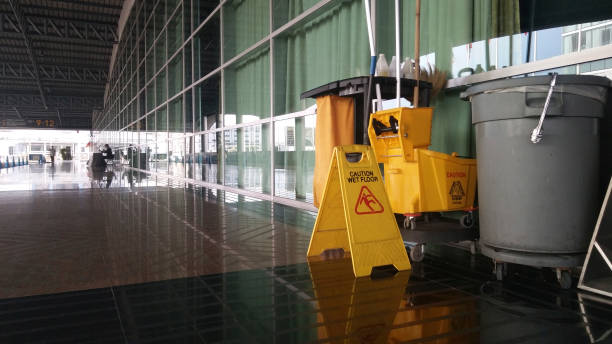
x=335, y=127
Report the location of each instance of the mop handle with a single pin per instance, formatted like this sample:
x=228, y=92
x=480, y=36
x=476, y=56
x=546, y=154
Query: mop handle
x=369, y=23
x=417, y=52
x=397, y=53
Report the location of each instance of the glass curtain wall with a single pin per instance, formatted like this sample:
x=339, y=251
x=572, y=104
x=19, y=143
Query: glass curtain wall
x=210, y=90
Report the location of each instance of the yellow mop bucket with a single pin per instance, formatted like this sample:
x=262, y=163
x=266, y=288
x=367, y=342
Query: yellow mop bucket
x=418, y=180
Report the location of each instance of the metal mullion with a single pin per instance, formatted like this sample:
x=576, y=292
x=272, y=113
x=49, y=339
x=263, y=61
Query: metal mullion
x=192, y=57
x=165, y=67
x=271, y=136
x=183, y=94
x=221, y=120
x=271, y=76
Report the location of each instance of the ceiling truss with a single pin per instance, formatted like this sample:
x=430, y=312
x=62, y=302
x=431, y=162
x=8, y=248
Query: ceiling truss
x=54, y=60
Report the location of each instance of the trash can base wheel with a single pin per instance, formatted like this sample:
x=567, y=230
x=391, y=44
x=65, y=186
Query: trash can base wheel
x=564, y=277
x=417, y=253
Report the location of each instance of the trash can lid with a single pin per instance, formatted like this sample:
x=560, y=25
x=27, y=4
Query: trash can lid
x=591, y=80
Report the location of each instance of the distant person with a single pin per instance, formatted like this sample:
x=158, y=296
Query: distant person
x=107, y=152
x=109, y=178
x=52, y=154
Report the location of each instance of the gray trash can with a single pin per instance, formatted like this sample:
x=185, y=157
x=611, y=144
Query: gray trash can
x=538, y=201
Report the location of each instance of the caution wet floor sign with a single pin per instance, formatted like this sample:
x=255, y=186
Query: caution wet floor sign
x=355, y=214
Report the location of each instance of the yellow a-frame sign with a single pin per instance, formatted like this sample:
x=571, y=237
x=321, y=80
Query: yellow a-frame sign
x=355, y=214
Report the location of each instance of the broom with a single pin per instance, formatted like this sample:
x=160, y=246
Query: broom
x=436, y=77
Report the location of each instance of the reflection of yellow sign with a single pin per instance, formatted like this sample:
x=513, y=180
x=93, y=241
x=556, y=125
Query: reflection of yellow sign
x=362, y=309
x=390, y=309
x=356, y=216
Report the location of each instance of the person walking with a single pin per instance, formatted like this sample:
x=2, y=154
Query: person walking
x=52, y=154
x=107, y=153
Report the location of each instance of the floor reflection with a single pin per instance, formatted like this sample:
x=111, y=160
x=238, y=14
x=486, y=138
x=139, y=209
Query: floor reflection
x=387, y=308
x=131, y=257
x=59, y=176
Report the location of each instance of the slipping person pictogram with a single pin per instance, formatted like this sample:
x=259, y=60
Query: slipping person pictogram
x=367, y=203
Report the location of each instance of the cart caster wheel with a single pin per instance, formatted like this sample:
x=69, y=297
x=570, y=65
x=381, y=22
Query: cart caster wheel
x=409, y=223
x=565, y=279
x=499, y=271
x=417, y=253
x=467, y=221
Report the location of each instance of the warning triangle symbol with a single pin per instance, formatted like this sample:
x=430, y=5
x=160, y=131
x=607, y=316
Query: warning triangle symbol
x=367, y=203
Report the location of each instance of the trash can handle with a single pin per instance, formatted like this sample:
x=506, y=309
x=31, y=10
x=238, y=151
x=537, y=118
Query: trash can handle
x=536, y=134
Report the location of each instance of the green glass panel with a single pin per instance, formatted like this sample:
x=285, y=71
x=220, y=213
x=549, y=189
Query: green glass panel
x=326, y=48
x=150, y=65
x=171, y=5
x=208, y=104
x=247, y=89
x=247, y=158
x=210, y=170
x=244, y=23
x=294, y=157
x=175, y=33
x=202, y=9
x=160, y=90
x=160, y=17
x=151, y=97
x=176, y=157
x=187, y=65
x=186, y=20
x=149, y=143
x=175, y=116
x=160, y=51
x=207, y=53
x=150, y=35
x=285, y=10
x=175, y=75
x=188, y=112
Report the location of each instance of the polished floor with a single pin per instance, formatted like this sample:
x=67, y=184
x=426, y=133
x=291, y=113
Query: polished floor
x=122, y=257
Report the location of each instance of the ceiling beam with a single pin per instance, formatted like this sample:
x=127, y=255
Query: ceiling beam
x=55, y=58
x=55, y=102
x=21, y=24
x=66, y=50
x=43, y=40
x=90, y=4
x=53, y=73
x=102, y=67
x=53, y=27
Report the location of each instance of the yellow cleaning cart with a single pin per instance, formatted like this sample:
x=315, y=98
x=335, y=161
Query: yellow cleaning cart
x=417, y=180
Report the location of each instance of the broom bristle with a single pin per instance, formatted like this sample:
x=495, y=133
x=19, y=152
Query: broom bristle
x=436, y=77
